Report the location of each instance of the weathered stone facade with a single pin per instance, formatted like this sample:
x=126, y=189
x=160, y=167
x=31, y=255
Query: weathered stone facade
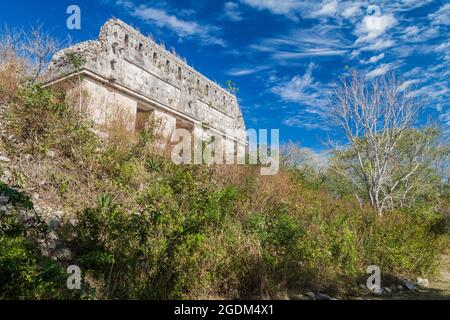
x=127, y=69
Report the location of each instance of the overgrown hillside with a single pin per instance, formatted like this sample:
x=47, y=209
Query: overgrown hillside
x=140, y=227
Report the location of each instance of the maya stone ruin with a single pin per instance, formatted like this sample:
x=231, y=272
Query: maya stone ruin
x=124, y=71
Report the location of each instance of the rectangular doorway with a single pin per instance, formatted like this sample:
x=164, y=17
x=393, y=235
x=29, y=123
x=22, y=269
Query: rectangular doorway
x=143, y=118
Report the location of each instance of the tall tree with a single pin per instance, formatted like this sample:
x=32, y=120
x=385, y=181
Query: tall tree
x=384, y=155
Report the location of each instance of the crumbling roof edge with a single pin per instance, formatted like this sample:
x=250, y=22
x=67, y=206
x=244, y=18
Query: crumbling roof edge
x=170, y=54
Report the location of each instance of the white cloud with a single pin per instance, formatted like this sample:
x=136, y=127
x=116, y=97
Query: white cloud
x=239, y=72
x=442, y=16
x=415, y=72
x=419, y=33
x=182, y=28
x=162, y=19
x=272, y=78
x=381, y=70
x=308, y=53
x=377, y=46
x=443, y=47
x=326, y=9
x=232, y=12
x=446, y=117
x=306, y=8
x=372, y=31
x=401, y=6
x=284, y=7
x=303, y=89
x=125, y=3
x=306, y=121
x=374, y=24
x=352, y=9
x=315, y=42
x=411, y=31
x=431, y=85
x=406, y=84
x=374, y=59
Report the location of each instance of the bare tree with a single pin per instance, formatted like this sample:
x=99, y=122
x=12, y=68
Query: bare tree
x=33, y=46
x=304, y=159
x=38, y=47
x=8, y=40
x=13, y=68
x=376, y=116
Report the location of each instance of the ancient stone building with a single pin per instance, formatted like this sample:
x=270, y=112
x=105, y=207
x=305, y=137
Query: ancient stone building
x=126, y=71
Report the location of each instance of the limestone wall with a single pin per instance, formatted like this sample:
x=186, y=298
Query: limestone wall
x=124, y=56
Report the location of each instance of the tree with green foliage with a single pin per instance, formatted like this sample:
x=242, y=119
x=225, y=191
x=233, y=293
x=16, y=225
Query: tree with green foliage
x=385, y=157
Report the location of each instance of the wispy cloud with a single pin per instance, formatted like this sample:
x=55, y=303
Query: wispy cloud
x=306, y=43
x=308, y=9
x=292, y=9
x=329, y=8
x=351, y=9
x=444, y=49
x=245, y=71
x=285, y=7
x=374, y=59
x=306, y=121
x=232, y=11
x=442, y=16
x=445, y=118
x=183, y=28
x=304, y=90
x=408, y=83
x=314, y=52
x=380, y=70
x=347, y=9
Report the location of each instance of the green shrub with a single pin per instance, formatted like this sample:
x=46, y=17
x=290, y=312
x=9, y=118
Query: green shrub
x=162, y=231
x=24, y=272
x=42, y=119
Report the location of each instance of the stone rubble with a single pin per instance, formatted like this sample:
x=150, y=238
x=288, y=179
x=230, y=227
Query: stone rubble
x=421, y=282
x=409, y=285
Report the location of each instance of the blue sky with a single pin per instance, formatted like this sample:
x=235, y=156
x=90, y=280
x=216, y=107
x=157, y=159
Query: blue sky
x=284, y=55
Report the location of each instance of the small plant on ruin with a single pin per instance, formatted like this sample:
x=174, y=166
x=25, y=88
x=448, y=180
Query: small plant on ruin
x=232, y=87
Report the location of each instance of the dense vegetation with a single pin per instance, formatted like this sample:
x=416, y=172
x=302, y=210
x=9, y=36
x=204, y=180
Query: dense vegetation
x=141, y=227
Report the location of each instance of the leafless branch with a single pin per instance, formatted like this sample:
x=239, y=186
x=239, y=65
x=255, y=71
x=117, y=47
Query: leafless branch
x=375, y=116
